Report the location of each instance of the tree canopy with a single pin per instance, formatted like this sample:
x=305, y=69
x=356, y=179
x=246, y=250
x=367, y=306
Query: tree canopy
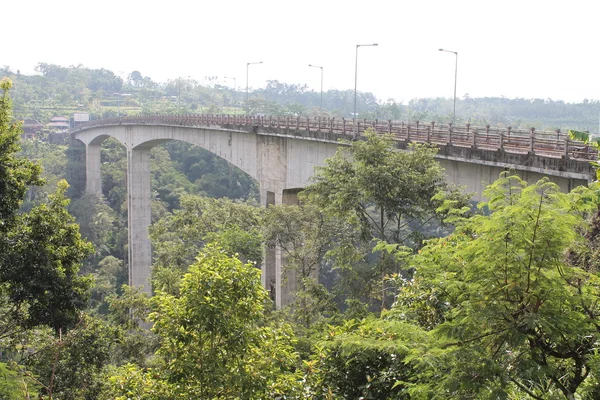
x=41, y=250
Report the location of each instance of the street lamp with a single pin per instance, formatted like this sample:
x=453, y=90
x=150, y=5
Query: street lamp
x=179, y=93
x=455, y=76
x=356, y=83
x=248, y=65
x=119, y=96
x=234, y=90
x=316, y=66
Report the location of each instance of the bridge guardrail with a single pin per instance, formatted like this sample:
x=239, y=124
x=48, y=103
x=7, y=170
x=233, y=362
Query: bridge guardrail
x=546, y=143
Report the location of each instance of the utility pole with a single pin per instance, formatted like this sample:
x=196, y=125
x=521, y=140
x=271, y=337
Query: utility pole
x=234, y=91
x=354, y=117
x=247, y=67
x=455, y=76
x=316, y=66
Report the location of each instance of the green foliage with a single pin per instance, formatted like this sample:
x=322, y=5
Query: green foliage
x=178, y=238
x=304, y=235
x=211, y=175
x=391, y=197
x=40, y=251
x=52, y=159
x=211, y=342
x=71, y=366
x=40, y=266
x=130, y=382
x=108, y=278
x=16, y=174
x=129, y=308
x=583, y=137
x=15, y=386
x=513, y=306
x=96, y=221
x=114, y=166
x=365, y=359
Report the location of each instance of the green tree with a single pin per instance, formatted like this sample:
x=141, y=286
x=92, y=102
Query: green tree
x=40, y=251
x=520, y=320
x=178, y=238
x=212, y=344
x=70, y=366
x=391, y=197
x=96, y=221
x=304, y=235
x=364, y=360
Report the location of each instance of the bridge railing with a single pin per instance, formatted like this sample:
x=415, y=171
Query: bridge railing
x=546, y=143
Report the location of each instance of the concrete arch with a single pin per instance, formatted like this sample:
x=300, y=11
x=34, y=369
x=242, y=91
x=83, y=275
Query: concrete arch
x=236, y=147
x=98, y=140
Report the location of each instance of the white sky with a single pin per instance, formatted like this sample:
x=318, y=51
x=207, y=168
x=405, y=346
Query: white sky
x=525, y=48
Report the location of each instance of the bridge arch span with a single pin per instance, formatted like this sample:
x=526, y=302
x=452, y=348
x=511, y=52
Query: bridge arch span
x=263, y=158
x=236, y=147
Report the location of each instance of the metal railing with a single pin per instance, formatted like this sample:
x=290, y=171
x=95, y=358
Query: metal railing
x=553, y=144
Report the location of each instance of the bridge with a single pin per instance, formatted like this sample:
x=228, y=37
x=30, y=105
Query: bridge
x=280, y=153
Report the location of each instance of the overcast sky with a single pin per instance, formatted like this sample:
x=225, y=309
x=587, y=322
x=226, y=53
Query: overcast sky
x=525, y=48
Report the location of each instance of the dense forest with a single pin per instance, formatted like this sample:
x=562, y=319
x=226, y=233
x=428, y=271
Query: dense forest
x=403, y=289
x=57, y=90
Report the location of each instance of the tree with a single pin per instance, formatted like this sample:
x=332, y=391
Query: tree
x=70, y=366
x=16, y=174
x=519, y=317
x=390, y=196
x=364, y=360
x=135, y=78
x=178, y=238
x=212, y=344
x=96, y=221
x=40, y=251
x=304, y=235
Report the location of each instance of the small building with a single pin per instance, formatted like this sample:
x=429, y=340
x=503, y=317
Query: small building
x=58, y=123
x=31, y=128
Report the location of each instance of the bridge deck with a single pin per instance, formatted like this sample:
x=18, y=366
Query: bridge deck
x=552, y=144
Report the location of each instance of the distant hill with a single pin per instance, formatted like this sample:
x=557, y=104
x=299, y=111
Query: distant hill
x=57, y=90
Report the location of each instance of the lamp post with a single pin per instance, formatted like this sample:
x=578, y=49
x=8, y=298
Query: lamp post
x=179, y=93
x=119, y=96
x=247, y=67
x=316, y=66
x=455, y=76
x=234, y=90
x=356, y=84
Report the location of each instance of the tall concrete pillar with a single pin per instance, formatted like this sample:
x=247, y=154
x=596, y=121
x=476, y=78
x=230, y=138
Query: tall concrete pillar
x=139, y=213
x=286, y=279
x=93, y=180
x=280, y=284
x=268, y=275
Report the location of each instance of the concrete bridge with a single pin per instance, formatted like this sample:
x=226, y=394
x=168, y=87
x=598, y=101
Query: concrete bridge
x=280, y=153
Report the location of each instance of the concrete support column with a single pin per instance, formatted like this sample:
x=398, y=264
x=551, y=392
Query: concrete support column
x=286, y=282
x=93, y=180
x=139, y=212
x=280, y=284
x=268, y=268
x=272, y=175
